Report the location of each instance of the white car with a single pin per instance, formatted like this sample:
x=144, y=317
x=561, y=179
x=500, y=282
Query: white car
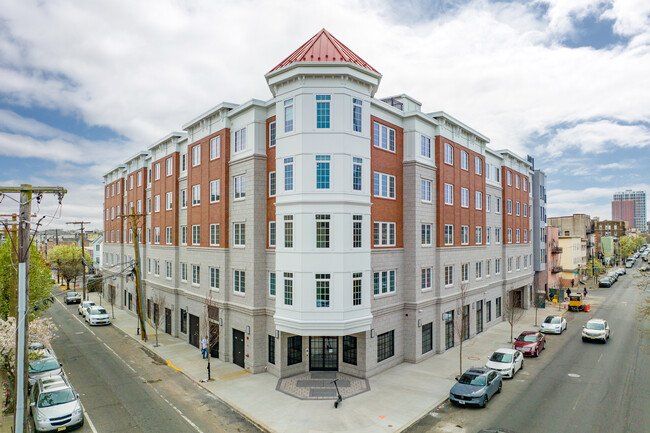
x=96, y=315
x=553, y=324
x=596, y=329
x=83, y=306
x=506, y=361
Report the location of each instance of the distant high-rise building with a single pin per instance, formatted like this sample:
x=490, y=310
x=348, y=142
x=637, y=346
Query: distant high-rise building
x=630, y=206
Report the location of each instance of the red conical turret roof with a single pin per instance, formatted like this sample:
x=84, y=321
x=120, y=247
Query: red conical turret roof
x=323, y=47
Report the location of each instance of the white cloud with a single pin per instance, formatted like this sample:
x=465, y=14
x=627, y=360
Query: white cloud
x=598, y=137
x=631, y=17
x=594, y=201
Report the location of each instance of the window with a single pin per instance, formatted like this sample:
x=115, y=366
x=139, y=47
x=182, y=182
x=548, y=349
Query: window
x=449, y=193
x=497, y=306
x=464, y=160
x=497, y=235
x=479, y=270
x=508, y=178
x=168, y=235
x=131, y=181
x=214, y=234
x=169, y=169
x=449, y=154
x=509, y=207
x=184, y=272
x=322, y=171
x=497, y=266
x=509, y=236
x=271, y=283
x=288, y=174
x=497, y=174
x=357, y=106
x=426, y=191
x=497, y=201
x=272, y=184
x=517, y=208
x=117, y=236
x=240, y=140
x=215, y=147
x=288, y=288
x=518, y=236
x=488, y=235
x=288, y=231
x=196, y=274
x=488, y=200
x=487, y=269
x=168, y=270
x=525, y=210
x=184, y=198
x=240, y=187
x=271, y=233
x=426, y=278
x=488, y=311
x=350, y=349
x=271, y=349
x=156, y=267
x=156, y=235
x=525, y=236
x=215, y=190
x=478, y=235
x=323, y=111
x=196, y=195
x=478, y=198
x=294, y=350
x=426, y=235
x=183, y=235
x=448, y=317
x=425, y=146
x=509, y=264
x=449, y=234
x=385, y=345
x=464, y=272
x=356, y=173
x=525, y=183
x=384, y=185
x=148, y=235
x=214, y=278
x=427, y=337
x=288, y=115
x=239, y=236
x=464, y=235
x=322, y=231
x=525, y=262
x=196, y=234
x=322, y=290
x=272, y=134
x=184, y=162
x=384, y=282
x=356, y=288
x=488, y=167
x=139, y=206
x=384, y=234
x=478, y=165
x=240, y=281
x=156, y=203
x=196, y=155
x=168, y=201
x=356, y=231
x=517, y=181
x=464, y=197
x=383, y=137
x=156, y=174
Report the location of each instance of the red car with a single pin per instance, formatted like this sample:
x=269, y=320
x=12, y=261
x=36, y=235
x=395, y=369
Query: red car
x=530, y=343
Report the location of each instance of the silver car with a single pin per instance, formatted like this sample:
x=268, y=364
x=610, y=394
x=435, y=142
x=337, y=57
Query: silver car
x=96, y=315
x=54, y=405
x=43, y=367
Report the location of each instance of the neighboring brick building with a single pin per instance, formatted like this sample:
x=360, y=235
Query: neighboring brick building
x=616, y=229
x=324, y=219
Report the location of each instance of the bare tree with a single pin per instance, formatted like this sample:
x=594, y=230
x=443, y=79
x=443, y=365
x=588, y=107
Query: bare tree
x=159, y=304
x=210, y=324
x=512, y=312
x=461, y=327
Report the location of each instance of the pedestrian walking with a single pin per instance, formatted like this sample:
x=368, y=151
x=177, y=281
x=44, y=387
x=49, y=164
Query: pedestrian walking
x=572, y=282
x=568, y=292
x=584, y=292
x=204, y=348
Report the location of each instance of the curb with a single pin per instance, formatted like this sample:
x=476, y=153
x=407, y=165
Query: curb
x=422, y=415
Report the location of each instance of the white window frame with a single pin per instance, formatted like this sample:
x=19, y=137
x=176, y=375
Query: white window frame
x=425, y=146
x=239, y=235
x=425, y=190
x=384, y=137
x=449, y=154
x=464, y=235
x=169, y=204
x=215, y=147
x=449, y=194
x=464, y=197
x=478, y=198
x=449, y=234
x=196, y=234
x=464, y=160
x=215, y=232
x=389, y=229
x=215, y=191
x=239, y=190
x=196, y=155
x=381, y=180
x=196, y=195
x=478, y=165
x=240, y=140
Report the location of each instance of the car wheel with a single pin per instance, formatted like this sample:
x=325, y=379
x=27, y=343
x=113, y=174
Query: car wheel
x=512, y=374
x=484, y=401
x=536, y=354
x=584, y=339
x=544, y=346
x=500, y=386
x=522, y=365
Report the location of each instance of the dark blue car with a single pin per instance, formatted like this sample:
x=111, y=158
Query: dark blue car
x=476, y=386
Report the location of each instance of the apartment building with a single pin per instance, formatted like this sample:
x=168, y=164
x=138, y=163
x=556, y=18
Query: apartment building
x=540, y=256
x=611, y=228
x=630, y=206
x=324, y=228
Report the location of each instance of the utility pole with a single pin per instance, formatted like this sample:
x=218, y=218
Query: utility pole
x=22, y=318
x=83, y=261
x=138, y=272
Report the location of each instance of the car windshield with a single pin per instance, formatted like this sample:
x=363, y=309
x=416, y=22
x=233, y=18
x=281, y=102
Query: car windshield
x=53, y=398
x=594, y=325
x=501, y=357
x=555, y=320
x=88, y=304
x=529, y=338
x=99, y=310
x=41, y=365
x=472, y=379
x=72, y=294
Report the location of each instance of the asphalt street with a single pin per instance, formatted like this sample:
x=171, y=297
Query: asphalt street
x=126, y=388
x=573, y=386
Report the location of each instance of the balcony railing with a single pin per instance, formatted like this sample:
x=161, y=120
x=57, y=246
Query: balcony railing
x=556, y=269
x=556, y=249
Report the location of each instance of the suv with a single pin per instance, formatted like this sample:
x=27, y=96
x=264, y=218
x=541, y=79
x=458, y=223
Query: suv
x=55, y=405
x=596, y=329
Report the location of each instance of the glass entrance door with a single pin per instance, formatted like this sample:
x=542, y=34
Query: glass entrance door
x=323, y=353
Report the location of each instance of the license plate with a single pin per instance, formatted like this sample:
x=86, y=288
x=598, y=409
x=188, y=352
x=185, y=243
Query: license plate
x=61, y=428
x=461, y=402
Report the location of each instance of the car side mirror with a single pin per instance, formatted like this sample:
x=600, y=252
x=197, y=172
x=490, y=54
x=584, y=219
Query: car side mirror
x=60, y=364
x=457, y=379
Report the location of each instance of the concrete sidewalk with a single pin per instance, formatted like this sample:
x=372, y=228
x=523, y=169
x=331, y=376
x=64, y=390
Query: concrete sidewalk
x=397, y=397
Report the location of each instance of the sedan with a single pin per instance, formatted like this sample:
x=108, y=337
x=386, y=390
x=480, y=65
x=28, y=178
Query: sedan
x=72, y=298
x=530, y=343
x=596, y=329
x=506, y=361
x=81, y=309
x=97, y=316
x=476, y=386
x=605, y=282
x=554, y=324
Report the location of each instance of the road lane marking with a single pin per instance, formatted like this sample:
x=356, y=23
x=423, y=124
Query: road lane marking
x=189, y=421
x=599, y=358
x=118, y=356
x=90, y=422
x=573, y=375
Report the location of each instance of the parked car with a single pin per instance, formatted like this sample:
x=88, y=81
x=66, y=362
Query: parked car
x=72, y=298
x=613, y=275
x=81, y=309
x=506, y=361
x=55, y=405
x=554, y=324
x=621, y=271
x=596, y=329
x=96, y=315
x=530, y=343
x=605, y=282
x=629, y=264
x=476, y=386
x=43, y=367
x=643, y=268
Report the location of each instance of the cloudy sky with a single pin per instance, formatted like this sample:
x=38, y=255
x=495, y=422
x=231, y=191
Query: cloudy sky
x=85, y=85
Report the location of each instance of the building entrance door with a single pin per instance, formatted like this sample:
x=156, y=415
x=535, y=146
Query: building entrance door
x=238, y=347
x=194, y=330
x=323, y=353
x=168, y=321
